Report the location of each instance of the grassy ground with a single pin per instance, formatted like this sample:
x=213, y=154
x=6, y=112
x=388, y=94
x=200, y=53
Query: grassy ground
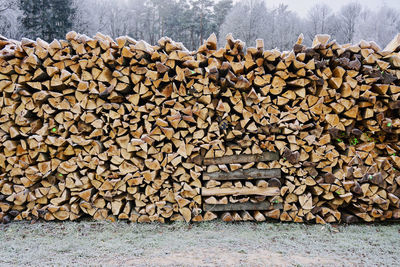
x=202, y=244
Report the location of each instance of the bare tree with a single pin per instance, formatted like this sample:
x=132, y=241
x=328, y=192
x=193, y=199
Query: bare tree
x=284, y=29
x=9, y=13
x=349, y=15
x=7, y=4
x=114, y=18
x=320, y=19
x=389, y=24
x=247, y=21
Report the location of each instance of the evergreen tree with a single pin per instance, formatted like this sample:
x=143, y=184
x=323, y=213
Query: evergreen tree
x=47, y=19
x=203, y=25
x=221, y=9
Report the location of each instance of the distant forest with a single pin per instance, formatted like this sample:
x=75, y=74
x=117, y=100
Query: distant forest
x=192, y=21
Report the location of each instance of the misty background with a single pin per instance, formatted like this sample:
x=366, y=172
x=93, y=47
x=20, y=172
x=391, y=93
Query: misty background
x=191, y=21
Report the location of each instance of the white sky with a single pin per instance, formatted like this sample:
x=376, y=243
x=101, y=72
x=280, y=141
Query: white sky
x=302, y=6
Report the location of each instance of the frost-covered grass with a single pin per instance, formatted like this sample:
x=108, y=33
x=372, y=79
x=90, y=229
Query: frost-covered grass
x=205, y=244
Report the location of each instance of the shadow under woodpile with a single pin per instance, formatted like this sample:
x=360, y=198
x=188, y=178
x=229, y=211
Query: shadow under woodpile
x=120, y=129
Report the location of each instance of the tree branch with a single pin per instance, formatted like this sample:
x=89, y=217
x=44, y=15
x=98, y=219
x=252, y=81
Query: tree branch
x=4, y=9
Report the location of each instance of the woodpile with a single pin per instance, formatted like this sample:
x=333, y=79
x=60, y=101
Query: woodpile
x=120, y=129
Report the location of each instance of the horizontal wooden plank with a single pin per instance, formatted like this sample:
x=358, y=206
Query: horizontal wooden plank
x=243, y=158
x=252, y=173
x=265, y=205
x=268, y=191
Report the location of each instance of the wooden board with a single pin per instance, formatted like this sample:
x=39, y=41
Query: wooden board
x=266, y=156
x=265, y=205
x=252, y=173
x=268, y=191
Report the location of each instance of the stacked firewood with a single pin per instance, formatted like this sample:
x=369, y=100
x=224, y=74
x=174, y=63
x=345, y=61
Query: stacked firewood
x=126, y=130
x=98, y=127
